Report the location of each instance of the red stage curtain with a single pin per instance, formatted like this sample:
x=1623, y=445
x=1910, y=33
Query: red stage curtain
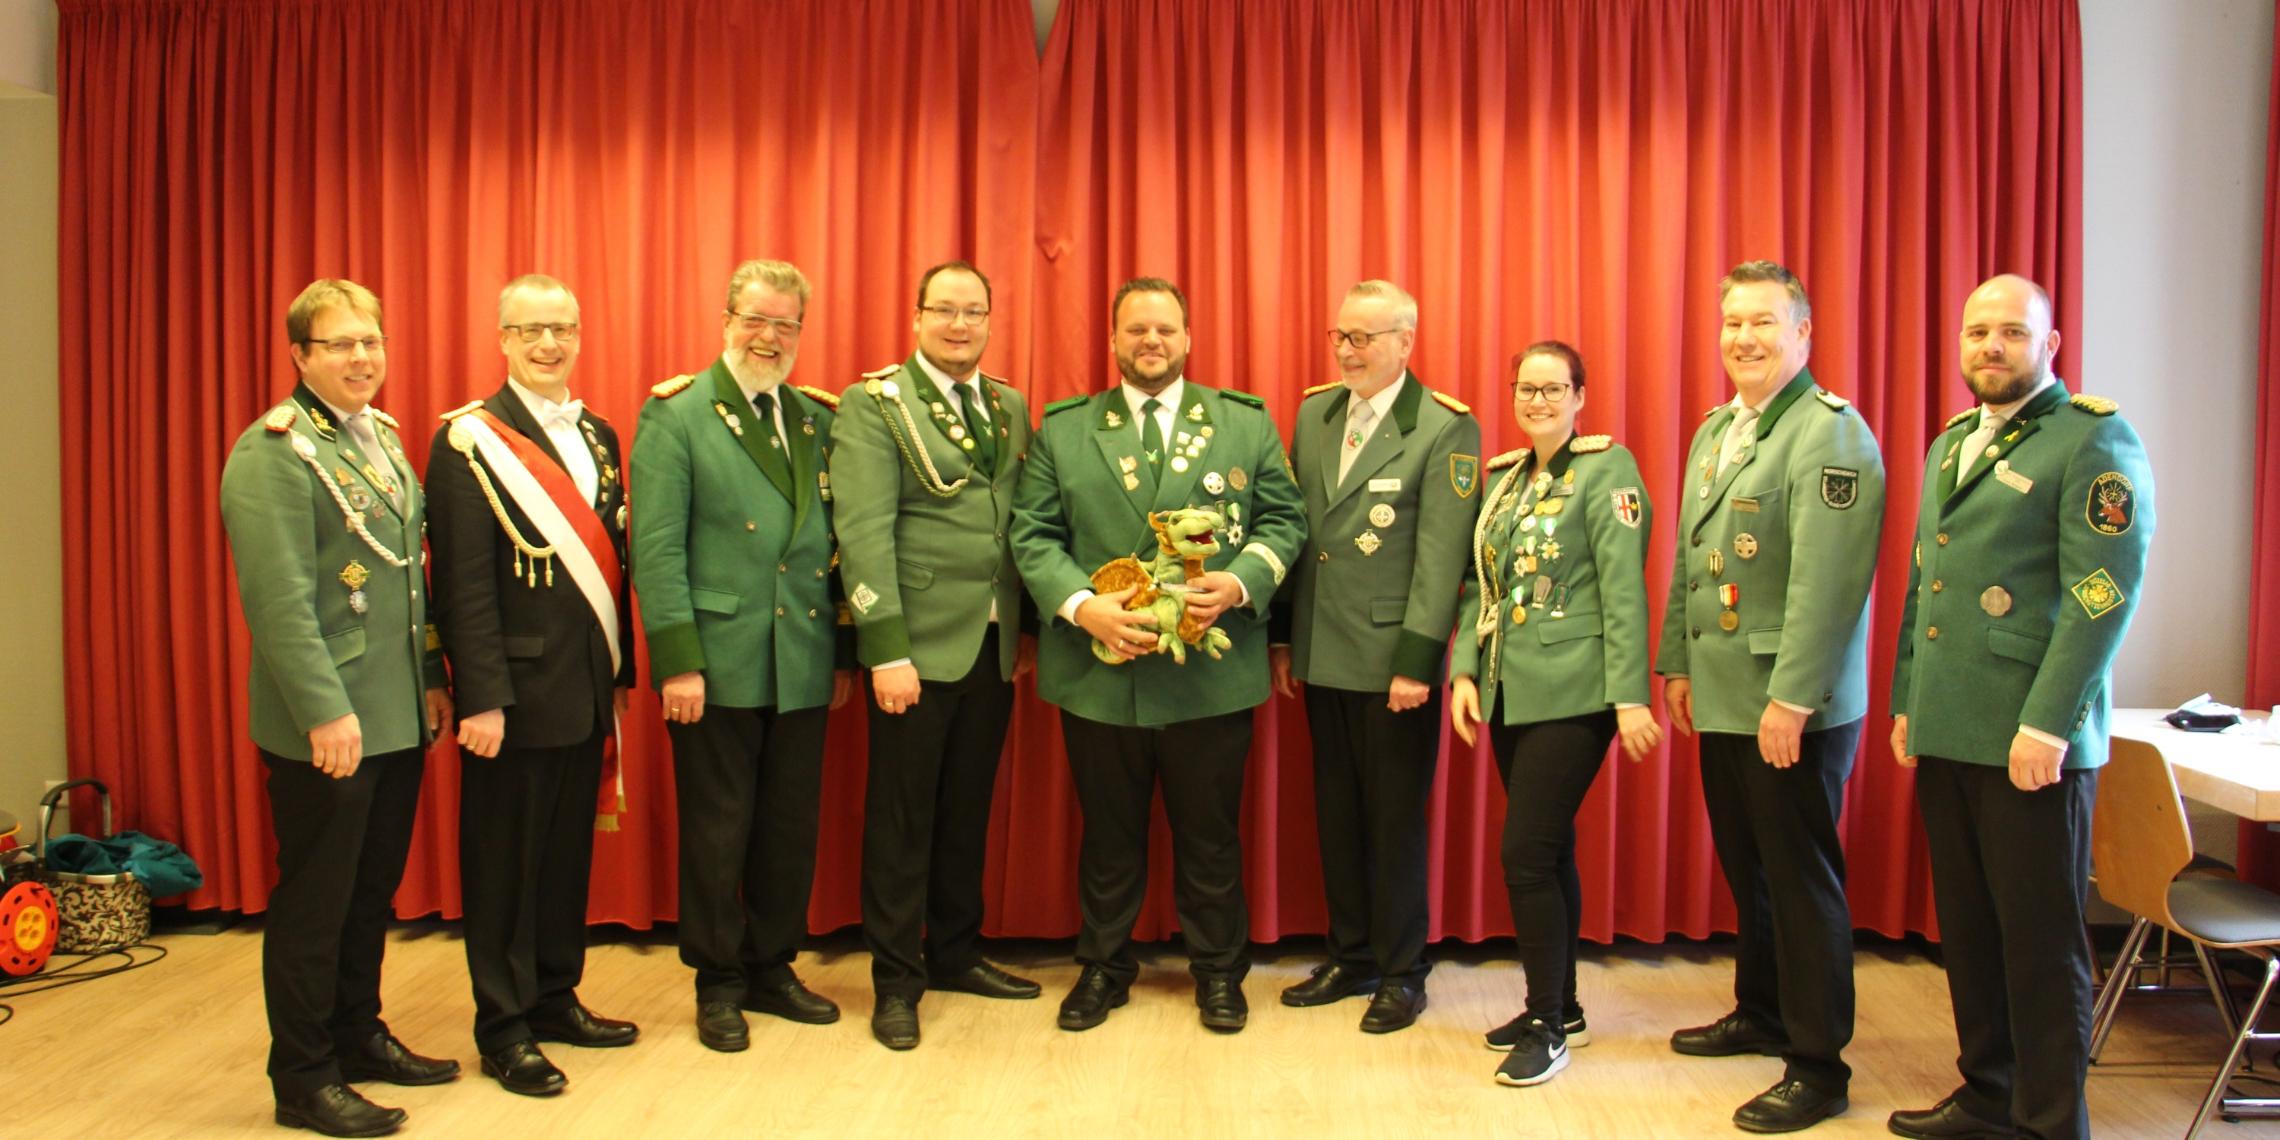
x=2259, y=850
x=220, y=155
x=1583, y=170
x=1587, y=171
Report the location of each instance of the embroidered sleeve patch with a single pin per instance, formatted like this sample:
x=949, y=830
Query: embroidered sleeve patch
x=1626, y=500
x=1840, y=487
x=1464, y=474
x=863, y=598
x=2113, y=503
x=2098, y=594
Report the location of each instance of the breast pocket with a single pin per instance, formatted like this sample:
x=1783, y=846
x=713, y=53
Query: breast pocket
x=913, y=576
x=345, y=646
x=1388, y=611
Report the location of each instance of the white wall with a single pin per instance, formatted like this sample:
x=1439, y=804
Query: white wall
x=2173, y=219
x=31, y=512
x=27, y=44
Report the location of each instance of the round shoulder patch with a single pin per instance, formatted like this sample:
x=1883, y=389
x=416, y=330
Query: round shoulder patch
x=2112, y=508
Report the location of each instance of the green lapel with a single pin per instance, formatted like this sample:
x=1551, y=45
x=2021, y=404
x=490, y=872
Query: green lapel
x=925, y=397
x=2023, y=424
x=1185, y=447
x=347, y=464
x=729, y=401
x=806, y=449
x=1797, y=387
x=1323, y=467
x=1119, y=441
x=1383, y=446
x=1000, y=428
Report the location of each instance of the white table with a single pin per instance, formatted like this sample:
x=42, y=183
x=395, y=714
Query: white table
x=2234, y=770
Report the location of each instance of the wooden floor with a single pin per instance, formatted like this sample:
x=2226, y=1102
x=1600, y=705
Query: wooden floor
x=177, y=1050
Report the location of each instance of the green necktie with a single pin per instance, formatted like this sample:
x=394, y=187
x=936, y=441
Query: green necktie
x=772, y=459
x=1151, y=433
x=977, y=429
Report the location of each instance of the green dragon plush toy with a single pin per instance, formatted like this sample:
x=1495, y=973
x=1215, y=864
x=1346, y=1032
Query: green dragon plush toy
x=1184, y=539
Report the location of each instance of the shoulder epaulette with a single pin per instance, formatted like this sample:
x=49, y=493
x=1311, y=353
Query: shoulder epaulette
x=1317, y=389
x=997, y=380
x=1453, y=404
x=1831, y=399
x=1959, y=417
x=1065, y=404
x=883, y=373
x=1508, y=459
x=1714, y=409
x=461, y=410
x=1244, y=398
x=819, y=396
x=2095, y=405
x=672, y=387
x=1586, y=444
x=280, y=418
x=383, y=417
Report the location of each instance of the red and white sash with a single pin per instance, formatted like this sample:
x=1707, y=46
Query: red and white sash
x=563, y=517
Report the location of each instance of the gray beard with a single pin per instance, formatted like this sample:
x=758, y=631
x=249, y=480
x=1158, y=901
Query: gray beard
x=753, y=376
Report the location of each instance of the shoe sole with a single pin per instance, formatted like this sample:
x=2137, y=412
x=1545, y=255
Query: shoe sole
x=1023, y=996
x=291, y=1119
x=725, y=1045
x=548, y=1090
x=787, y=1015
x=1836, y=1108
x=368, y=1078
x=1559, y=1061
x=1080, y=1024
x=1310, y=1002
x=898, y=1044
x=1226, y=1024
x=1769, y=1049
x=583, y=1043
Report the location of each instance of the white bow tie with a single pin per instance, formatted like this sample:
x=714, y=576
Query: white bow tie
x=563, y=415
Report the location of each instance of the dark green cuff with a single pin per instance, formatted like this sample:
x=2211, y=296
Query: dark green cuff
x=881, y=641
x=674, y=650
x=1419, y=657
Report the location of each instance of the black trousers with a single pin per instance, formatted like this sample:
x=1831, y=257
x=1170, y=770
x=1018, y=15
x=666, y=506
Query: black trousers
x=1776, y=834
x=748, y=783
x=1548, y=767
x=926, y=824
x=1115, y=769
x=1373, y=774
x=526, y=854
x=341, y=846
x=2009, y=870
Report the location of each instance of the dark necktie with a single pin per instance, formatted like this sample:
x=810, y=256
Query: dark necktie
x=772, y=460
x=1152, y=438
x=977, y=428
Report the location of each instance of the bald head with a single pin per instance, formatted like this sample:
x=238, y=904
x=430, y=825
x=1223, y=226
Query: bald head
x=2007, y=341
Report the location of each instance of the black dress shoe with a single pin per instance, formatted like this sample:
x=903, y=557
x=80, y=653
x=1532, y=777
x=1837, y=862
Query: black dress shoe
x=383, y=1058
x=578, y=1025
x=1221, y=1000
x=337, y=1110
x=1787, y=1107
x=721, y=1027
x=894, y=1021
x=1396, y=1006
x=521, y=1068
x=792, y=1001
x=1729, y=1036
x=1946, y=1120
x=1088, y=1004
x=986, y=980
x=1330, y=982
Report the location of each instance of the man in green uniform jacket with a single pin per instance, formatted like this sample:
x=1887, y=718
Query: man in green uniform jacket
x=1388, y=469
x=1098, y=465
x=347, y=687
x=2031, y=541
x=927, y=455
x=732, y=557
x=1764, y=644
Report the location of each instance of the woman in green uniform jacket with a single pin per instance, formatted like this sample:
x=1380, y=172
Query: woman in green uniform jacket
x=1552, y=645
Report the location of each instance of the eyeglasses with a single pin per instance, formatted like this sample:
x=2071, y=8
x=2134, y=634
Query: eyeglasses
x=1360, y=340
x=372, y=345
x=1554, y=394
x=949, y=316
x=753, y=322
x=531, y=333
